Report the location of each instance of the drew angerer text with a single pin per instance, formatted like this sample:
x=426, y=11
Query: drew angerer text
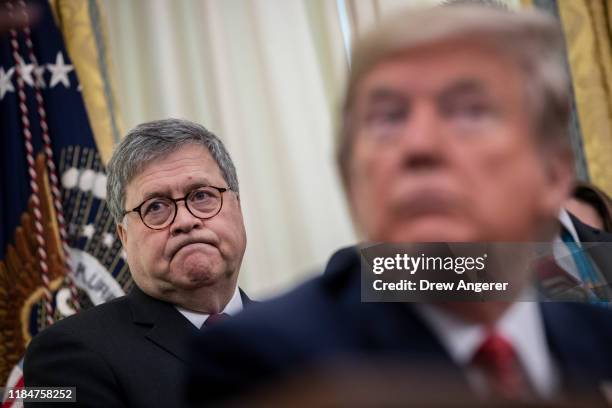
x=425, y=285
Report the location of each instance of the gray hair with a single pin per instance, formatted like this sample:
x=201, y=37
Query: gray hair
x=151, y=140
x=533, y=39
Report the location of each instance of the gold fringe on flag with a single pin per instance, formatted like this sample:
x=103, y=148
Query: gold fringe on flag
x=83, y=26
x=588, y=33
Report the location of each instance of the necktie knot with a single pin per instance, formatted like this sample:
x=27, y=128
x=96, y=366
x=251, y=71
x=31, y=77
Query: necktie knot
x=494, y=353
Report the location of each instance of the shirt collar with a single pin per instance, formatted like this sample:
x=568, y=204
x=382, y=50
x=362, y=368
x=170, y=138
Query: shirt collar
x=567, y=223
x=521, y=325
x=233, y=307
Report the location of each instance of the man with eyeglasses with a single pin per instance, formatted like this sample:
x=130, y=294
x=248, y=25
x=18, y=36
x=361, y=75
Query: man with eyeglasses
x=173, y=192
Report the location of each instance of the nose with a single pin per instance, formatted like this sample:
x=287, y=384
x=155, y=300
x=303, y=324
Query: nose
x=184, y=221
x=422, y=145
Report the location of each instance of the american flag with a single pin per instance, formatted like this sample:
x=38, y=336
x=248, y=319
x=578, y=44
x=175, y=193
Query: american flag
x=58, y=249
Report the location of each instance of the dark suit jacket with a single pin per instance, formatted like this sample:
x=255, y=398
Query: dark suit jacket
x=325, y=319
x=131, y=351
x=599, y=245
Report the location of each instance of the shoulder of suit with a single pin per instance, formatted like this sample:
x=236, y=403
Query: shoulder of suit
x=92, y=320
x=586, y=233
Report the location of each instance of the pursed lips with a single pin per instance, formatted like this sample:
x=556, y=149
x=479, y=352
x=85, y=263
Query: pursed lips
x=190, y=242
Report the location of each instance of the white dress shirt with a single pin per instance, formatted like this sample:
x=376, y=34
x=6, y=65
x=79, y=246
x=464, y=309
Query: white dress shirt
x=197, y=319
x=521, y=325
x=563, y=256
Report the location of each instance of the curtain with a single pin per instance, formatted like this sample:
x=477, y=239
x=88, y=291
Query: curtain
x=587, y=25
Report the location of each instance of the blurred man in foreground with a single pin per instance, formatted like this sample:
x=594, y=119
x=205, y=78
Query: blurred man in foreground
x=173, y=192
x=453, y=130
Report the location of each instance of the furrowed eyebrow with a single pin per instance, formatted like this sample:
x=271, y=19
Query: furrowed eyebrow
x=155, y=193
x=196, y=184
x=166, y=193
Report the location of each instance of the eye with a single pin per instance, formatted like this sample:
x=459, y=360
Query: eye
x=384, y=122
x=469, y=110
x=386, y=116
x=201, y=195
x=156, y=206
x=472, y=110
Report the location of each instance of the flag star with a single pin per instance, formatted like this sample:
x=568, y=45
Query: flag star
x=25, y=71
x=108, y=240
x=6, y=84
x=59, y=71
x=39, y=73
x=88, y=231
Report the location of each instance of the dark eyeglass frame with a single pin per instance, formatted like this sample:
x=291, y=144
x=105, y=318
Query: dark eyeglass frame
x=137, y=209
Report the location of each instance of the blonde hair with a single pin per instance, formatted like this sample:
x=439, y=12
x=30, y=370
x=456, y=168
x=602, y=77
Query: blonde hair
x=533, y=39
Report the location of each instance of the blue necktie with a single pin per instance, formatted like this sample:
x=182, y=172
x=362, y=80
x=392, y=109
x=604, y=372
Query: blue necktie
x=587, y=272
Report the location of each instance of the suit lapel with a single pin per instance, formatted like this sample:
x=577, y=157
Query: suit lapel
x=393, y=328
x=246, y=301
x=169, y=330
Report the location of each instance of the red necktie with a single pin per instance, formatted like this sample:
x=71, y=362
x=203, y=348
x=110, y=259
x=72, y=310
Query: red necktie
x=502, y=369
x=214, y=319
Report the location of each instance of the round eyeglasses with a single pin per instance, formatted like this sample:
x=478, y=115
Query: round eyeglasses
x=159, y=212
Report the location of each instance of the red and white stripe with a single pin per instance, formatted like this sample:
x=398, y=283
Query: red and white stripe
x=57, y=197
x=16, y=382
x=27, y=136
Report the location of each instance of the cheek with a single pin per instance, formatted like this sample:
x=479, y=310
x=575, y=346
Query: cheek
x=371, y=170
x=507, y=186
x=230, y=230
x=372, y=163
x=236, y=241
x=147, y=249
x=369, y=203
x=502, y=164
